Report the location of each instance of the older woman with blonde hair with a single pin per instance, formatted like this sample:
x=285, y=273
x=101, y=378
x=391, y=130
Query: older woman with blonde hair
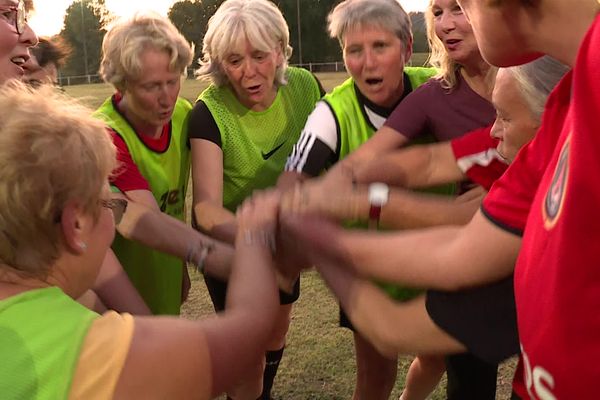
x=57, y=219
x=145, y=58
x=241, y=130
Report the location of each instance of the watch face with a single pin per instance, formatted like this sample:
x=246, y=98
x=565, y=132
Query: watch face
x=378, y=194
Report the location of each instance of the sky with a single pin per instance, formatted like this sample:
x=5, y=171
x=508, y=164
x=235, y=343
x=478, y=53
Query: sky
x=49, y=15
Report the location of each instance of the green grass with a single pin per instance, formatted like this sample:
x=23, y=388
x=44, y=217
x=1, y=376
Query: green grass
x=319, y=361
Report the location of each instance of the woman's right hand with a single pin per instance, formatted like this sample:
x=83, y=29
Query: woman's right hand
x=259, y=213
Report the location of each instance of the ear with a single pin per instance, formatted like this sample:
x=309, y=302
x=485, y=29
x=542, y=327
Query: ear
x=73, y=224
x=408, y=50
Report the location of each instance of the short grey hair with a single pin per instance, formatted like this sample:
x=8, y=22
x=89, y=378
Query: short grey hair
x=128, y=38
x=536, y=80
x=258, y=21
x=385, y=14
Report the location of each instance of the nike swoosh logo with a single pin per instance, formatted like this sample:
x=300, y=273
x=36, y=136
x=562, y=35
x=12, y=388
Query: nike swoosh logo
x=268, y=155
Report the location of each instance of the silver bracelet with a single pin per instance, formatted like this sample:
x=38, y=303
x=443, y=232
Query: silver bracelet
x=261, y=238
x=199, y=262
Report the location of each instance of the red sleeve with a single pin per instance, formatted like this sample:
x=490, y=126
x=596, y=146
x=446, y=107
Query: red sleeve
x=477, y=158
x=127, y=176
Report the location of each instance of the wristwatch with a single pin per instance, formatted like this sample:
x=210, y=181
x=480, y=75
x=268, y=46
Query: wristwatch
x=378, y=197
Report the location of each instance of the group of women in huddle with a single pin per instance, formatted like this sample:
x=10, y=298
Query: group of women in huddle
x=501, y=266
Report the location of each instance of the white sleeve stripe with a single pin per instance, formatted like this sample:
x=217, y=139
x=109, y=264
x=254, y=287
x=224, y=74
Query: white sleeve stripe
x=484, y=159
x=297, y=159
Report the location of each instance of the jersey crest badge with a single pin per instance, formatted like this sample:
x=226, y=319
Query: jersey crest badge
x=555, y=197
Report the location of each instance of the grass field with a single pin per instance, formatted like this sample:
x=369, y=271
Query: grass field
x=318, y=363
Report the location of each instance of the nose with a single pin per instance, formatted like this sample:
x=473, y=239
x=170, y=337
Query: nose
x=497, y=129
x=370, y=59
x=249, y=67
x=28, y=37
x=447, y=22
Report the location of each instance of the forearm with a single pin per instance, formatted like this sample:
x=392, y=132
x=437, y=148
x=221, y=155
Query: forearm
x=417, y=166
x=288, y=179
x=215, y=221
x=252, y=284
x=446, y=258
x=411, y=210
x=169, y=235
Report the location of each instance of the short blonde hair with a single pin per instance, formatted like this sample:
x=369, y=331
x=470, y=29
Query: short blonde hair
x=51, y=151
x=258, y=21
x=128, y=38
x=438, y=56
x=385, y=14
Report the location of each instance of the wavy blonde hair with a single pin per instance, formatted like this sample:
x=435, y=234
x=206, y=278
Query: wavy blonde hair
x=258, y=21
x=128, y=38
x=51, y=151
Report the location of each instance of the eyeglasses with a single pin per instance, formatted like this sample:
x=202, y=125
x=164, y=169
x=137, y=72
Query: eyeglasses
x=15, y=15
x=117, y=206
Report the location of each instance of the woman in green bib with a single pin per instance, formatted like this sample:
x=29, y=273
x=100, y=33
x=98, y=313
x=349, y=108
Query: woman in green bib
x=58, y=220
x=241, y=130
x=145, y=58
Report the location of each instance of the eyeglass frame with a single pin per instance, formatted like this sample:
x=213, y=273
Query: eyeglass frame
x=20, y=22
x=117, y=206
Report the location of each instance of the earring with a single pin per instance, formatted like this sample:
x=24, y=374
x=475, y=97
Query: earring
x=82, y=246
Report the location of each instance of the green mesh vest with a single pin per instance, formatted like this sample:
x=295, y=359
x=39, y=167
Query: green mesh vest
x=355, y=130
x=255, y=145
x=41, y=334
x=157, y=276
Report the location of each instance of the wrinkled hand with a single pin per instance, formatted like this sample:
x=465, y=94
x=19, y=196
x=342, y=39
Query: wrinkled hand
x=260, y=212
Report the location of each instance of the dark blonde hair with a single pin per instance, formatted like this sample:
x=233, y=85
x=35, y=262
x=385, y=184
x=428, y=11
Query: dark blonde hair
x=51, y=151
x=128, y=38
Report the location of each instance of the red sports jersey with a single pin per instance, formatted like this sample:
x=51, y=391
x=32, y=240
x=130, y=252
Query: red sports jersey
x=557, y=277
x=477, y=158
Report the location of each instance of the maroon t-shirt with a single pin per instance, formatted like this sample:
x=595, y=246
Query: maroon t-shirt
x=442, y=113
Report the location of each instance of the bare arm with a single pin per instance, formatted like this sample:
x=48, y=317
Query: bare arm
x=207, y=176
x=164, y=233
x=445, y=258
x=217, y=351
x=415, y=167
x=404, y=210
x=115, y=290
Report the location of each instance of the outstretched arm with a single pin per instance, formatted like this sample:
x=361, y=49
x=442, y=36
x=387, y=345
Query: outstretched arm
x=417, y=166
x=164, y=233
x=404, y=209
x=446, y=258
x=207, y=357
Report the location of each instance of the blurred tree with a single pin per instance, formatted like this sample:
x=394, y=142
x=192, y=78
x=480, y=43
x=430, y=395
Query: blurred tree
x=84, y=30
x=191, y=18
x=419, y=27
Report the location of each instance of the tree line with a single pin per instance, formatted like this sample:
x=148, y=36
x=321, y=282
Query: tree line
x=85, y=22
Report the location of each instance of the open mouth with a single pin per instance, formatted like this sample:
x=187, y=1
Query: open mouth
x=19, y=61
x=253, y=89
x=373, y=81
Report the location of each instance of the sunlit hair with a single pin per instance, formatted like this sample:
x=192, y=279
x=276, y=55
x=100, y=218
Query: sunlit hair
x=259, y=22
x=128, y=38
x=536, y=80
x=52, y=152
x=28, y=5
x=51, y=51
x=356, y=14
x=438, y=56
